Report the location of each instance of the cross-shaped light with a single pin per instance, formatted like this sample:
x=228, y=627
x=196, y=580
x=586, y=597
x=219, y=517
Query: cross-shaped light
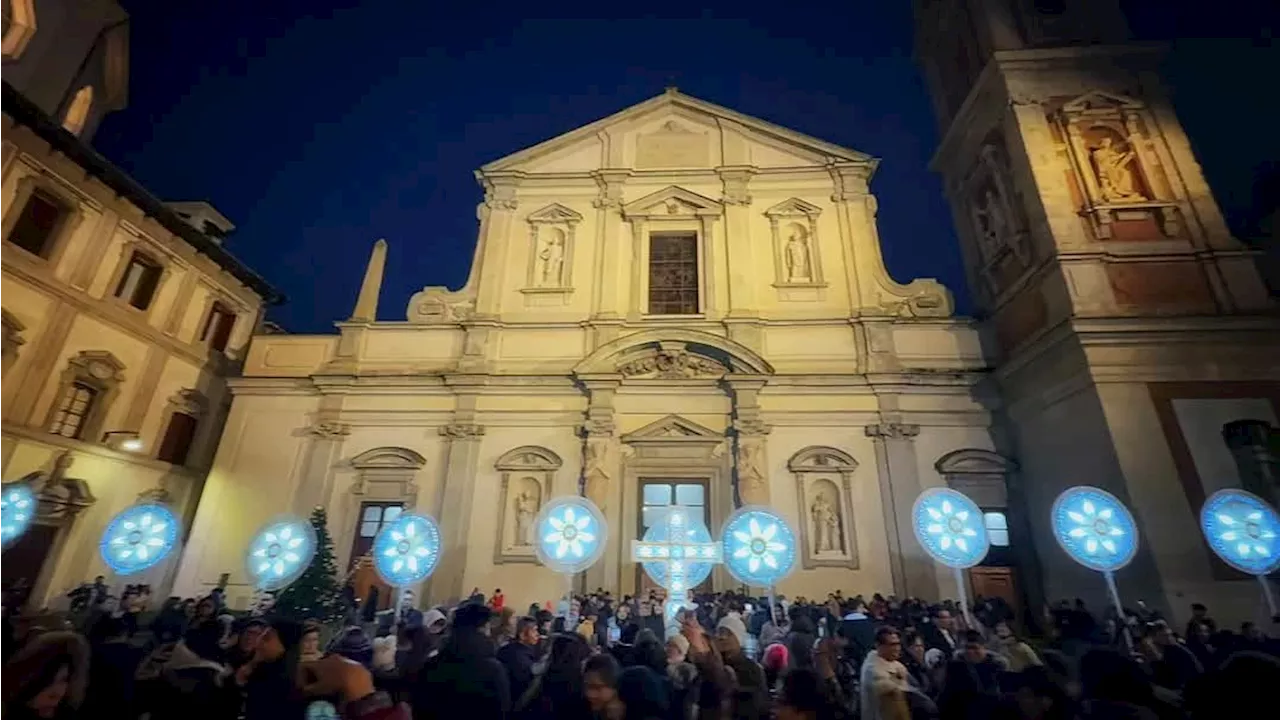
x=677, y=552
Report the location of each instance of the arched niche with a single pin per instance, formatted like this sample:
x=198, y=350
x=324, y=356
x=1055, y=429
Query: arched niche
x=824, y=488
x=527, y=476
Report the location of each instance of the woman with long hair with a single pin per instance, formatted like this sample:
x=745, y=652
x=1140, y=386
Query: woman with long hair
x=46, y=679
x=559, y=692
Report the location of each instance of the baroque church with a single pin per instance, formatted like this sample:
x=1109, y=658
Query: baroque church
x=682, y=304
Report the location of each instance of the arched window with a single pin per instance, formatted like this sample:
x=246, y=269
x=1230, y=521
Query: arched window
x=78, y=111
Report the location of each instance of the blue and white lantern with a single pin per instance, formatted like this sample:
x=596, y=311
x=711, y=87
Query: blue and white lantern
x=280, y=552
x=139, y=538
x=949, y=526
x=759, y=546
x=1243, y=530
x=407, y=550
x=571, y=533
x=677, y=552
x=1094, y=528
x=17, y=510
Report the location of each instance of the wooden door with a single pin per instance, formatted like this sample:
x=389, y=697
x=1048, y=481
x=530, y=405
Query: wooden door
x=373, y=516
x=990, y=582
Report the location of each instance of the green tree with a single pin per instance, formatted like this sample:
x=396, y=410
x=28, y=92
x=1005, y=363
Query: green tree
x=317, y=593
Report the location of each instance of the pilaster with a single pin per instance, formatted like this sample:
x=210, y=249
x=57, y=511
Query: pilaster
x=742, y=271
x=850, y=198
x=899, y=475
x=500, y=199
x=602, y=475
x=315, y=476
x=41, y=366
x=463, y=438
x=751, y=462
x=605, y=298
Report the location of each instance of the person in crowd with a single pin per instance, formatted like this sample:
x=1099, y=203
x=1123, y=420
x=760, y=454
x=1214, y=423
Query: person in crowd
x=1168, y=662
x=775, y=629
x=600, y=687
x=941, y=633
x=883, y=679
x=192, y=683
x=246, y=636
x=519, y=656
x=1200, y=616
x=922, y=677
x=309, y=646
x=971, y=686
x=620, y=619
x=804, y=695
x=558, y=693
x=732, y=620
x=465, y=678
x=113, y=662
x=801, y=638
x=46, y=679
x=1015, y=654
x=498, y=601
x=1036, y=696
x=587, y=627
x=270, y=676
x=355, y=645
x=751, y=691
x=858, y=631
x=775, y=660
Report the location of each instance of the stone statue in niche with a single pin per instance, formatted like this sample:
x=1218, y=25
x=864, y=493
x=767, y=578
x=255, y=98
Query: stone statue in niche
x=799, y=266
x=752, y=487
x=826, y=525
x=1116, y=177
x=551, y=260
x=526, y=509
x=992, y=224
x=595, y=472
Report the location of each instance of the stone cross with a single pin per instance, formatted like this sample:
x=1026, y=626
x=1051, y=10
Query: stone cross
x=677, y=551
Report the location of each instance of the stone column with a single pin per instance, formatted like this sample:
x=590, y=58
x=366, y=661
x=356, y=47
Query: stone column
x=750, y=460
x=710, y=306
x=913, y=570
x=601, y=479
x=456, y=497
x=1252, y=444
x=636, y=306
x=605, y=299
x=737, y=229
x=315, y=475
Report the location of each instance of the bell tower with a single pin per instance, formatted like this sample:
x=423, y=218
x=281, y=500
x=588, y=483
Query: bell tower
x=1123, y=319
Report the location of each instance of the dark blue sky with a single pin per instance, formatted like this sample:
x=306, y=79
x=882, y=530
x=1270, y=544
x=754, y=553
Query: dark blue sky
x=324, y=125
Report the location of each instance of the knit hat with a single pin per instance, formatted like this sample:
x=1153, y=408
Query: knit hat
x=776, y=657
x=353, y=644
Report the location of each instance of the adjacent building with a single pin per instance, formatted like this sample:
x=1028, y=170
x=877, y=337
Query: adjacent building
x=123, y=316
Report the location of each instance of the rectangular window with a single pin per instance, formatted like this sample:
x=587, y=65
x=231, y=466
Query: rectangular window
x=217, y=327
x=178, y=438
x=73, y=410
x=997, y=528
x=139, y=282
x=657, y=497
x=373, y=516
x=673, y=274
x=38, y=224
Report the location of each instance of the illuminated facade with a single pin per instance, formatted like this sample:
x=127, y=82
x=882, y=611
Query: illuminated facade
x=1133, y=341
x=677, y=303
x=121, y=319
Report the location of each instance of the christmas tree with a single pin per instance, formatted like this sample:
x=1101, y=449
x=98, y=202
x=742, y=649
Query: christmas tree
x=316, y=594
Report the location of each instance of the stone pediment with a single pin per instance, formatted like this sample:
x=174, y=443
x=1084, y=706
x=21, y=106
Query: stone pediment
x=972, y=461
x=794, y=207
x=388, y=458
x=675, y=130
x=673, y=428
x=1096, y=101
x=554, y=213
x=822, y=459
x=528, y=457
x=611, y=358
x=672, y=201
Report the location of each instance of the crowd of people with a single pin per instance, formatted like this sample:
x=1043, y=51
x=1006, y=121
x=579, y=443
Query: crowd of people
x=597, y=657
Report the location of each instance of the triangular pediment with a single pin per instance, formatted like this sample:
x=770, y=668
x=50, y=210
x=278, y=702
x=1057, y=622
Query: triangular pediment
x=794, y=207
x=600, y=144
x=672, y=200
x=673, y=427
x=555, y=213
x=1096, y=100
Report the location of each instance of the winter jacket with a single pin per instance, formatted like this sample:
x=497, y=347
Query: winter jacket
x=464, y=680
x=192, y=688
x=518, y=659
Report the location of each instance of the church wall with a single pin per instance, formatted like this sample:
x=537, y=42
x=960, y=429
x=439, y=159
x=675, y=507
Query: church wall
x=254, y=477
x=869, y=573
x=522, y=582
x=288, y=355
x=87, y=333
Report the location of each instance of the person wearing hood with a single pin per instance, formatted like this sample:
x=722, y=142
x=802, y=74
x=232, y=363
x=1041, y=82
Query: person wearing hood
x=465, y=678
x=192, y=684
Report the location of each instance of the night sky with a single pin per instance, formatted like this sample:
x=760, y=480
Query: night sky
x=326, y=125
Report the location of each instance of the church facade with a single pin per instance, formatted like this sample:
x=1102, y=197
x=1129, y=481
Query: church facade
x=682, y=304
x=676, y=304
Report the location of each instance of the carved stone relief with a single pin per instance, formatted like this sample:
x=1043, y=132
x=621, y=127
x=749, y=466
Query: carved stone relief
x=440, y=306
x=673, y=145
x=13, y=339
x=793, y=224
x=824, y=485
x=596, y=474
x=671, y=360
x=528, y=478
x=1122, y=184
x=552, y=231
x=997, y=221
